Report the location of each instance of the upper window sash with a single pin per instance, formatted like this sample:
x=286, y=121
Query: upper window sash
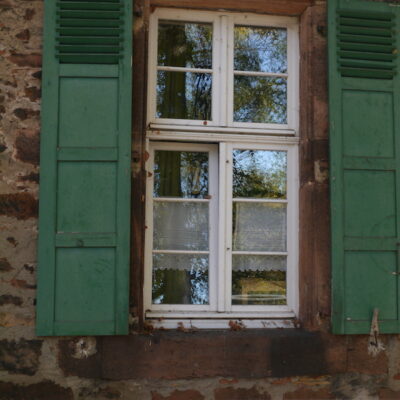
x=223, y=73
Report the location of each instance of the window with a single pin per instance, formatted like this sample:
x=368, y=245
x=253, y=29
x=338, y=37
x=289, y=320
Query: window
x=223, y=70
x=221, y=219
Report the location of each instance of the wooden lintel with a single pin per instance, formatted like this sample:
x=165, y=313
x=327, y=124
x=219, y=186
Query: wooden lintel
x=282, y=7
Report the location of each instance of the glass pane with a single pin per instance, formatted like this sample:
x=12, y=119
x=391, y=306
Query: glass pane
x=260, y=49
x=259, y=174
x=259, y=226
x=183, y=95
x=185, y=44
x=258, y=280
x=181, y=174
x=180, y=226
x=260, y=99
x=180, y=279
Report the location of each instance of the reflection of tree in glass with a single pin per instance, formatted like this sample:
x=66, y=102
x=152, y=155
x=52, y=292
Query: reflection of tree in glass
x=260, y=99
x=259, y=174
x=259, y=287
x=260, y=49
x=182, y=286
x=180, y=174
x=184, y=95
x=185, y=44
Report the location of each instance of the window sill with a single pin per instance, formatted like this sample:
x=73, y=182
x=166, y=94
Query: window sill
x=192, y=320
x=233, y=323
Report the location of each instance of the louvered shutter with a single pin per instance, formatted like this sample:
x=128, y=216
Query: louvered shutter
x=364, y=164
x=83, y=282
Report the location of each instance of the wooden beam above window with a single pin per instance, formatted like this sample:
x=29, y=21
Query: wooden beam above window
x=283, y=7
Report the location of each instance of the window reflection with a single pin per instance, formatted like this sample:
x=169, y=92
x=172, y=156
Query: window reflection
x=260, y=49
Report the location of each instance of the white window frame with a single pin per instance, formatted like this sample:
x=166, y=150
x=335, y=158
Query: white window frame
x=222, y=71
x=220, y=268
x=187, y=134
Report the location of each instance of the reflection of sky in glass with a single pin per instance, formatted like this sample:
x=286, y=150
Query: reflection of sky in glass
x=180, y=174
x=184, y=44
x=260, y=49
x=184, y=95
x=259, y=173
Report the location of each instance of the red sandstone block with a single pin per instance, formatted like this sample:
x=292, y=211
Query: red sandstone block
x=26, y=60
x=305, y=393
x=388, y=394
x=231, y=393
x=178, y=395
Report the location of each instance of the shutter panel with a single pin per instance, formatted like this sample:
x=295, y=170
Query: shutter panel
x=84, y=225
x=365, y=164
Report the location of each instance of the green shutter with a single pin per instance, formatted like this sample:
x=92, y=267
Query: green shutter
x=84, y=227
x=364, y=90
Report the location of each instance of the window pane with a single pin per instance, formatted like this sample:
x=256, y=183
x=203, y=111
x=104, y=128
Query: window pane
x=260, y=99
x=184, y=95
x=180, y=226
x=185, y=44
x=180, y=279
x=180, y=174
x=260, y=49
x=259, y=174
x=259, y=226
x=258, y=280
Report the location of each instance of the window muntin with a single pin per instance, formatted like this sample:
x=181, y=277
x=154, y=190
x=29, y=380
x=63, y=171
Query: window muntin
x=247, y=79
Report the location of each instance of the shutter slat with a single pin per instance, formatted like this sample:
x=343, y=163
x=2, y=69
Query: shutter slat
x=66, y=32
x=83, y=14
x=368, y=23
x=366, y=56
x=90, y=6
x=91, y=49
x=367, y=47
x=354, y=30
x=365, y=39
x=89, y=40
x=81, y=23
x=89, y=58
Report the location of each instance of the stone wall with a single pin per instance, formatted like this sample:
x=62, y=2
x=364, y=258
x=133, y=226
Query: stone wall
x=307, y=363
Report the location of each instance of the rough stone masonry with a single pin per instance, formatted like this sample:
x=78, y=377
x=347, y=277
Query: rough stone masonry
x=309, y=363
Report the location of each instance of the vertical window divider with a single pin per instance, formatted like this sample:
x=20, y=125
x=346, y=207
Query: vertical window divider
x=222, y=244
x=152, y=71
x=228, y=227
x=213, y=229
x=293, y=90
x=222, y=68
x=229, y=71
x=147, y=287
x=292, y=280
